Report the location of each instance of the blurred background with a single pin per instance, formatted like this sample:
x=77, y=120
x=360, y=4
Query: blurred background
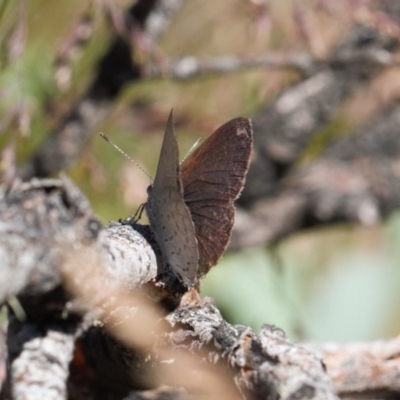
x=327, y=279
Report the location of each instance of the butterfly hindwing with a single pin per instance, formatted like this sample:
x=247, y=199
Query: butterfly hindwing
x=212, y=178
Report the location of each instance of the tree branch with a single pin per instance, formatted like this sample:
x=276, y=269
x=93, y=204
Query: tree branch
x=362, y=369
x=131, y=340
x=355, y=180
x=284, y=128
x=38, y=360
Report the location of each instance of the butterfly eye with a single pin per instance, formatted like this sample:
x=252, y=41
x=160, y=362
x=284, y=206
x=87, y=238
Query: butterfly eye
x=149, y=188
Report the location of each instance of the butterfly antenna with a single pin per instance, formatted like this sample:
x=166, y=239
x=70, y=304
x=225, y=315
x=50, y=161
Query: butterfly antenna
x=107, y=139
x=191, y=149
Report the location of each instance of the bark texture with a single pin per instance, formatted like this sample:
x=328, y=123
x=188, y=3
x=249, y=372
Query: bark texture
x=102, y=321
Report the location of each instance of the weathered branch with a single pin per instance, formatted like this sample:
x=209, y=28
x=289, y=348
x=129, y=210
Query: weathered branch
x=38, y=360
x=193, y=67
x=355, y=180
x=30, y=233
x=285, y=127
x=102, y=274
x=280, y=197
x=190, y=67
x=362, y=369
x=265, y=365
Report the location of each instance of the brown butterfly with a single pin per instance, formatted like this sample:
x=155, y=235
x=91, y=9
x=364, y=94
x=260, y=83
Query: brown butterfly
x=190, y=208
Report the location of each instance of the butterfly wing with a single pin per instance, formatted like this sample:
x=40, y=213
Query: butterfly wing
x=170, y=219
x=213, y=177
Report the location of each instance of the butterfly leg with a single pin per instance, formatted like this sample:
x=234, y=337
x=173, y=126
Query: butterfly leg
x=133, y=219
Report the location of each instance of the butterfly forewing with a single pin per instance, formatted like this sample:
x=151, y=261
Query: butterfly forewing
x=169, y=217
x=213, y=177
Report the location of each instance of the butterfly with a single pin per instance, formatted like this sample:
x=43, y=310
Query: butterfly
x=190, y=206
